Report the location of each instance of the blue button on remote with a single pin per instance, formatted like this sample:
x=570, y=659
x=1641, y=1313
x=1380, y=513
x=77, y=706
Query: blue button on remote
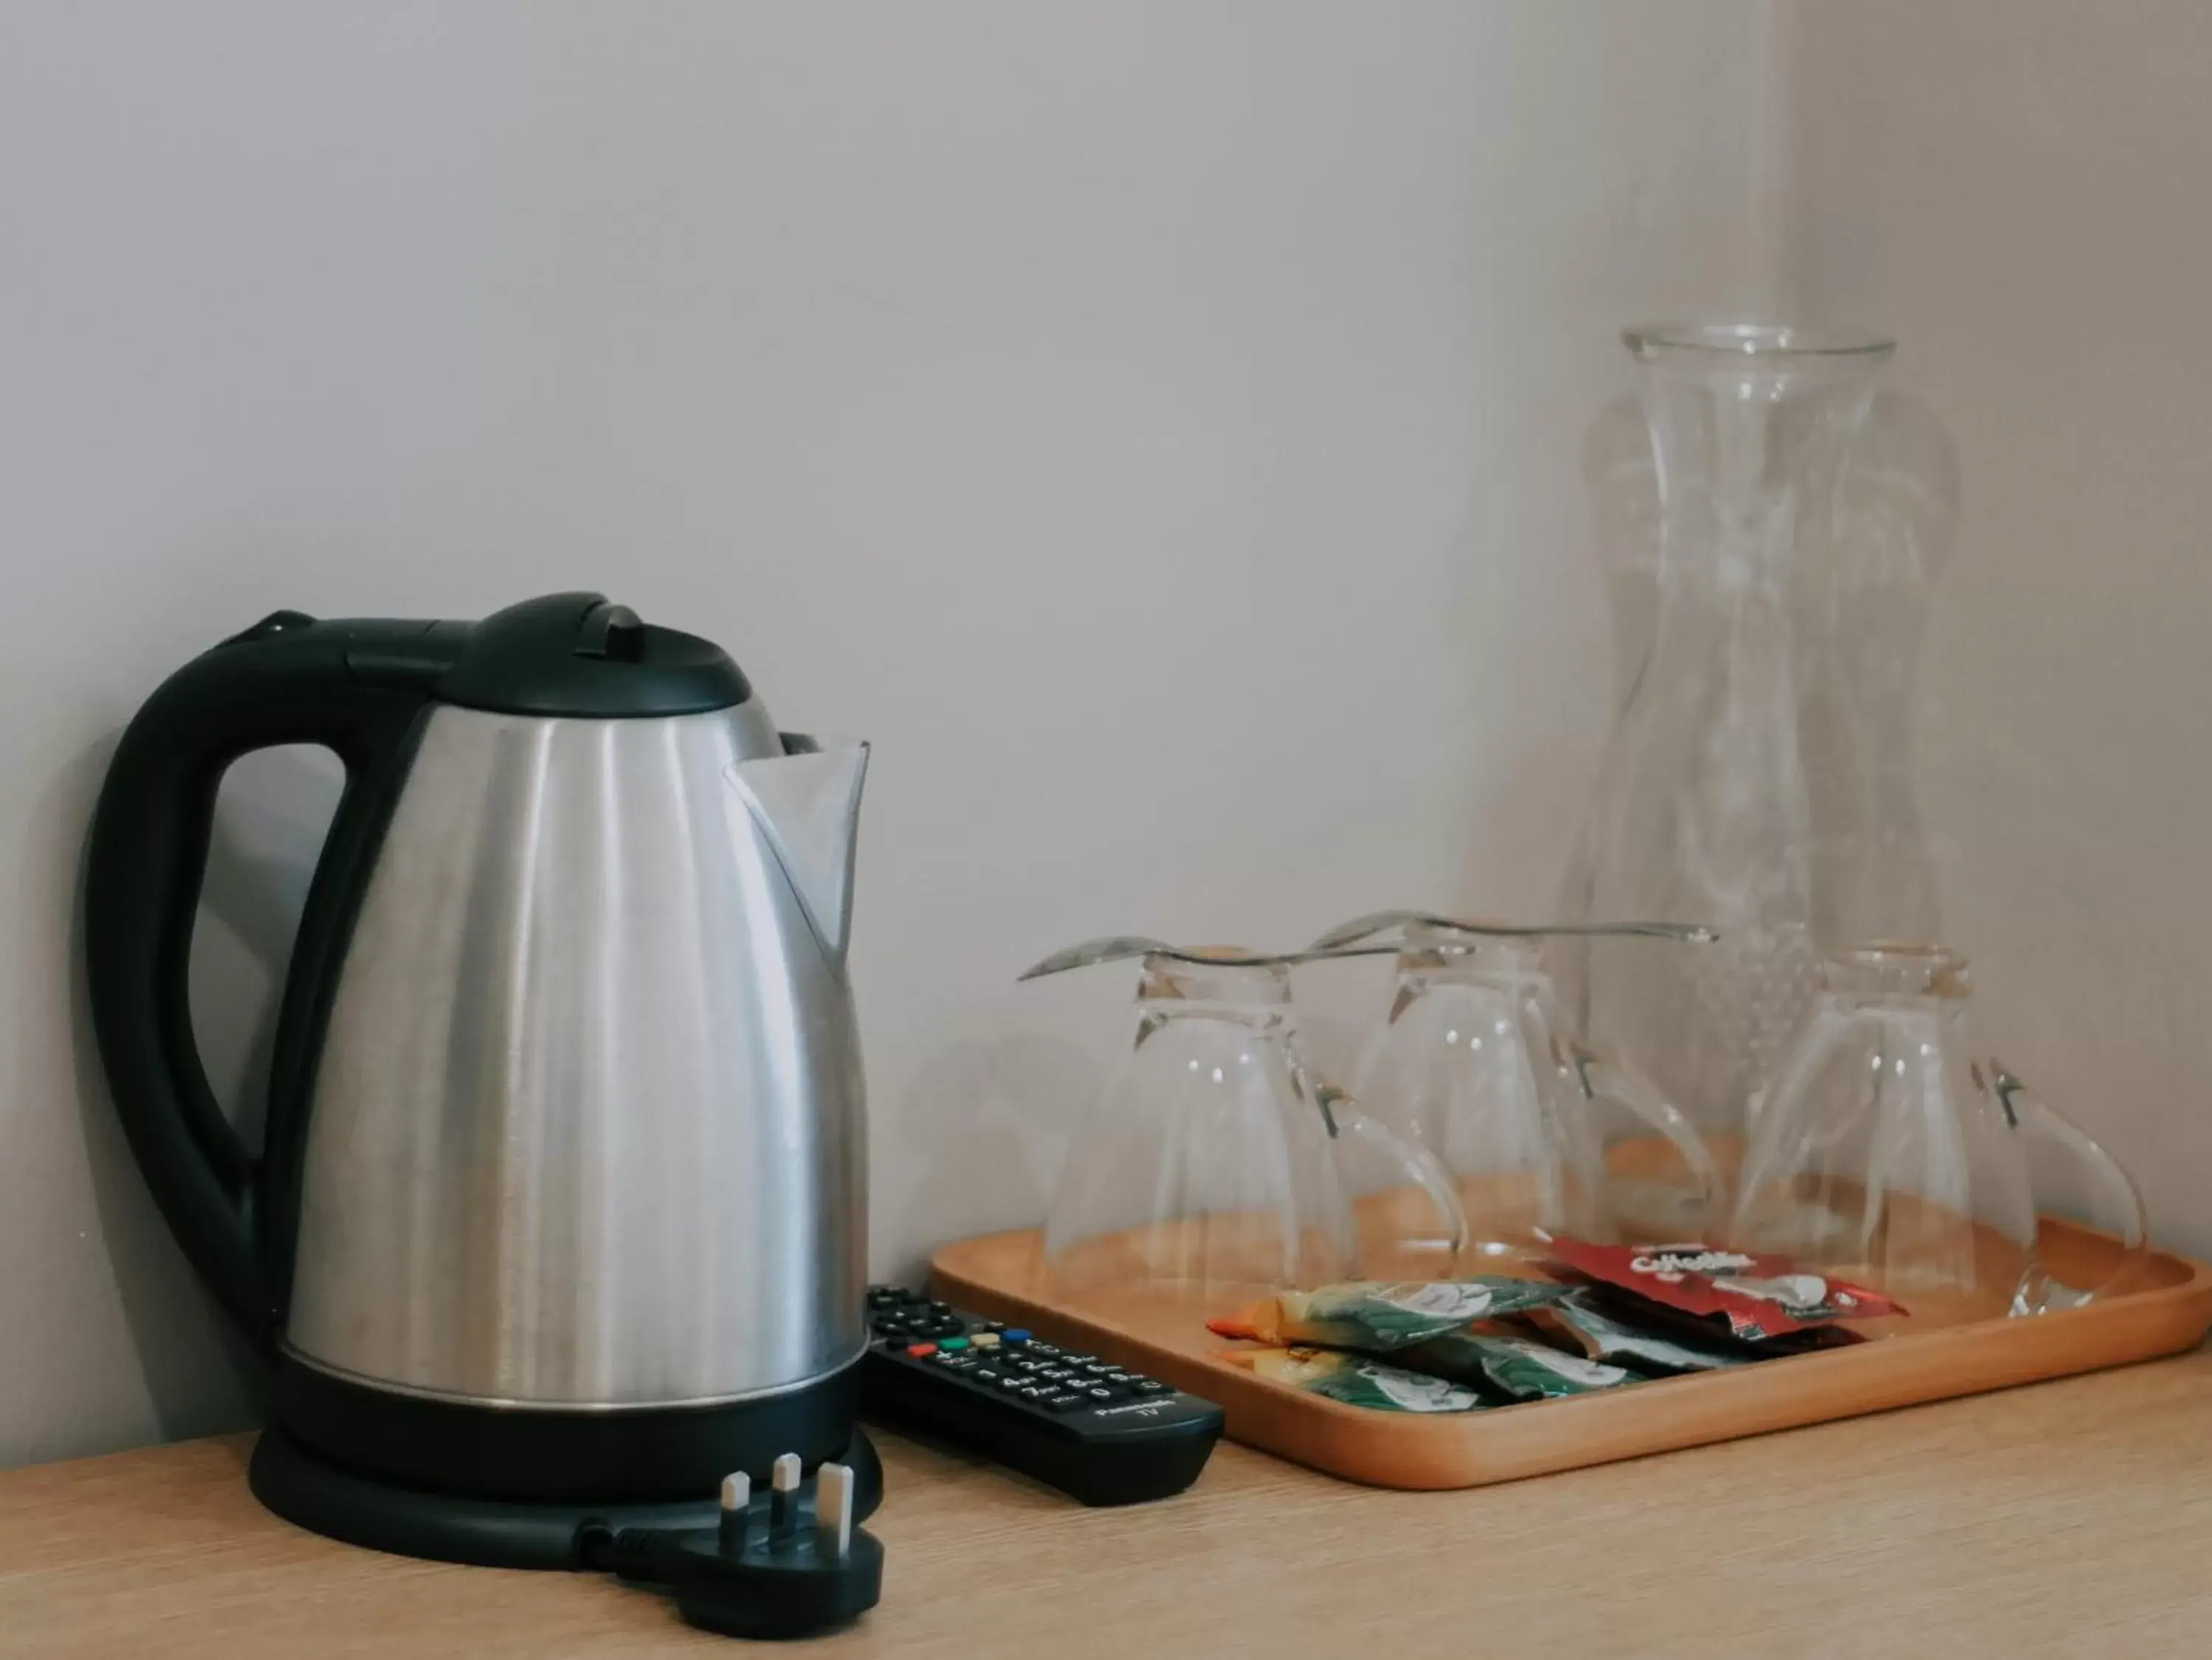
x=1031, y=1406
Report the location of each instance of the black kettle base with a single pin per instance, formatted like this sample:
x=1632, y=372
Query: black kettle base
x=558, y=1456
x=323, y=1498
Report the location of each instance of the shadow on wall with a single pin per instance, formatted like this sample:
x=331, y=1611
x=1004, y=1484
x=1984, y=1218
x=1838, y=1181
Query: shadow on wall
x=1864, y=587
x=200, y=1374
x=981, y=1131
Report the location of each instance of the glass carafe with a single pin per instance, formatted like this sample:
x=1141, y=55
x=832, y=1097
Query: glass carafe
x=1894, y=1150
x=1701, y=812
x=1216, y=1166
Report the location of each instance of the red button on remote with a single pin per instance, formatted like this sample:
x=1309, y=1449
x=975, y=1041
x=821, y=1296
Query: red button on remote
x=922, y=1351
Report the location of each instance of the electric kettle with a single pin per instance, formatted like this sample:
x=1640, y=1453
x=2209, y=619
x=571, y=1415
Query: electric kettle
x=563, y=1195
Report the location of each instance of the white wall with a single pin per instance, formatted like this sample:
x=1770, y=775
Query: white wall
x=2017, y=188
x=1156, y=425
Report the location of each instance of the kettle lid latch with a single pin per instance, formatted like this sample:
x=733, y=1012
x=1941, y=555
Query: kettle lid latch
x=611, y=632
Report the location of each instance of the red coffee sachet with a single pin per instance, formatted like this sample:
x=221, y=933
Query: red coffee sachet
x=1760, y=1295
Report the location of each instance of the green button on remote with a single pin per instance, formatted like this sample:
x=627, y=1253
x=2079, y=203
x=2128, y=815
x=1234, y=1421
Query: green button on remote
x=1100, y=1433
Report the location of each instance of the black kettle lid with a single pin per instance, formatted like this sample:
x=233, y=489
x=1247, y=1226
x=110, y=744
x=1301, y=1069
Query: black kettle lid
x=579, y=654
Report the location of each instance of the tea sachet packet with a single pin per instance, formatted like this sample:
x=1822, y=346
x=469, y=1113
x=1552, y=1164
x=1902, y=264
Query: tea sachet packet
x=1678, y=1345
x=1513, y=1367
x=1380, y=1317
x=1757, y=1295
x=1358, y=1380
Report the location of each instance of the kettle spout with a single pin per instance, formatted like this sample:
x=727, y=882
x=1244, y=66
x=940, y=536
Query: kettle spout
x=807, y=804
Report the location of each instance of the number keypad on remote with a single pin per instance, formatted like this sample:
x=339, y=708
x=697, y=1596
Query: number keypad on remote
x=993, y=1356
x=1100, y=1432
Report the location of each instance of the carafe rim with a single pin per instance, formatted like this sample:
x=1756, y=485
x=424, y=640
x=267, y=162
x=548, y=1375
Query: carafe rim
x=1752, y=338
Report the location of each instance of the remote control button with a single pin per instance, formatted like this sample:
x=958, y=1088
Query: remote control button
x=996, y=1358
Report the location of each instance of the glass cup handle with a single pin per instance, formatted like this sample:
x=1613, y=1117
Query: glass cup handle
x=1340, y=1115
x=1600, y=1081
x=2120, y=1205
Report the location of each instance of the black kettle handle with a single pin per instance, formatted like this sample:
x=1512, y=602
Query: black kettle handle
x=354, y=686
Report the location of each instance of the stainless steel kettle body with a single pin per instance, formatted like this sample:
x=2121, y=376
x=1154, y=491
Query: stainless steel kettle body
x=564, y=1188
x=588, y=1126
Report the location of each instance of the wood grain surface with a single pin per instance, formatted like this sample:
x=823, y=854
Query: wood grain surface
x=2067, y=1518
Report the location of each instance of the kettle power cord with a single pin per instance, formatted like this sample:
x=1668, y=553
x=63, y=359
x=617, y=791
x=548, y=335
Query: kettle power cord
x=765, y=1569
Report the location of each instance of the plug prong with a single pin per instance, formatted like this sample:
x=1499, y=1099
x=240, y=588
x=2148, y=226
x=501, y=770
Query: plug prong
x=833, y=1511
x=783, y=1496
x=737, y=1503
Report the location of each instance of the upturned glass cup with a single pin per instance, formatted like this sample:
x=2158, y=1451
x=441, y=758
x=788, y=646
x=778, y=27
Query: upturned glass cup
x=1215, y=1163
x=1894, y=1149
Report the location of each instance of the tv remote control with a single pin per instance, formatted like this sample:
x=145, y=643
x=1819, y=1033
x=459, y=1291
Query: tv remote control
x=1097, y=1431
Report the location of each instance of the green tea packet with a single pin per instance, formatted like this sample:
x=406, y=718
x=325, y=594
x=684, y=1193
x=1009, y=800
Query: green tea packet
x=1380, y=1317
x=1357, y=1380
x=1515, y=1366
x=1602, y=1336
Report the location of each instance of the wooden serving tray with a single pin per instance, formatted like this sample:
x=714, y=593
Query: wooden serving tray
x=999, y=1274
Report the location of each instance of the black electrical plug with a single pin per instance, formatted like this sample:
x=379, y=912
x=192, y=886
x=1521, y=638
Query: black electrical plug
x=767, y=1570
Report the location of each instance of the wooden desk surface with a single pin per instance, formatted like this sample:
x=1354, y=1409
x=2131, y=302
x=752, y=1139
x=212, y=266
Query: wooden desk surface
x=2069, y=1519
